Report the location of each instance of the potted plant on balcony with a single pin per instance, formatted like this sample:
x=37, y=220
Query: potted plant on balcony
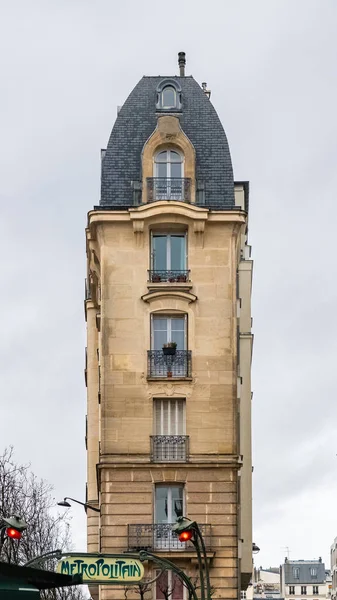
x=169, y=349
x=182, y=278
x=156, y=278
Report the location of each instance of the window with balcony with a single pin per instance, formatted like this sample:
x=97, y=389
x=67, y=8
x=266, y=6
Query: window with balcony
x=291, y=590
x=168, y=257
x=315, y=590
x=169, y=356
x=168, y=182
x=169, y=505
x=303, y=590
x=169, y=442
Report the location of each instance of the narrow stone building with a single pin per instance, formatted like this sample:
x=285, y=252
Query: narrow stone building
x=169, y=339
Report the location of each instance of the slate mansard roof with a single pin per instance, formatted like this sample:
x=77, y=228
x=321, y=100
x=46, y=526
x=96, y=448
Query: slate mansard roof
x=305, y=576
x=137, y=120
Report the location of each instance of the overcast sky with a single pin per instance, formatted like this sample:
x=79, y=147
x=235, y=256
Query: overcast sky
x=271, y=65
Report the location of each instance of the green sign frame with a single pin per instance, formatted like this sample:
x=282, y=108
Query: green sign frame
x=108, y=569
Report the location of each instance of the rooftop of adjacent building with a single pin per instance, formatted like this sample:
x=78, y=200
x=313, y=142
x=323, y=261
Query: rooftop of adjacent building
x=137, y=120
x=269, y=570
x=297, y=572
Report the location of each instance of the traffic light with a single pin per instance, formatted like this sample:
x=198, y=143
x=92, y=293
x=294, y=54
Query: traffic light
x=185, y=529
x=13, y=533
x=11, y=527
x=185, y=536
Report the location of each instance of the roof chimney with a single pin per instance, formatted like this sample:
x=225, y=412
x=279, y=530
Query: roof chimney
x=182, y=63
x=204, y=87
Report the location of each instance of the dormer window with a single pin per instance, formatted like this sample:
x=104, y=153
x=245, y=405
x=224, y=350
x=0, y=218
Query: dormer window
x=168, y=95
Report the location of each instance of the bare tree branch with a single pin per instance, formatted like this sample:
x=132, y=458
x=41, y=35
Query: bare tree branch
x=23, y=494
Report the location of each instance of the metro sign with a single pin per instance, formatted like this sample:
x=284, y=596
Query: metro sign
x=102, y=568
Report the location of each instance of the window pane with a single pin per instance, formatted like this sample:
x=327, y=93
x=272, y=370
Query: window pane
x=178, y=324
x=162, y=586
x=178, y=253
x=176, y=170
x=169, y=503
x=177, y=503
x=177, y=588
x=160, y=323
x=178, y=333
x=175, y=157
x=161, y=504
x=169, y=97
x=160, y=333
x=161, y=171
x=159, y=252
x=162, y=156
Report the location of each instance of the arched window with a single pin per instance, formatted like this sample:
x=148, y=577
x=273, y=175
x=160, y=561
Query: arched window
x=169, y=95
x=168, y=175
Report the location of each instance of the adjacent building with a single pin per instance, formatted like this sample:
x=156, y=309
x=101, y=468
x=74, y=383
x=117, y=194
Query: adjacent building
x=305, y=579
x=265, y=584
x=169, y=339
x=333, y=564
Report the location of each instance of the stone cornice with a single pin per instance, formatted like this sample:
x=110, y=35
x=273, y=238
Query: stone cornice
x=121, y=461
x=176, y=294
x=160, y=212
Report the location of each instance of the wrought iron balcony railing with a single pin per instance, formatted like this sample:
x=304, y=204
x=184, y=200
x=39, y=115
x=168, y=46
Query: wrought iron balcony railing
x=178, y=364
x=173, y=188
x=169, y=448
x=171, y=276
x=161, y=537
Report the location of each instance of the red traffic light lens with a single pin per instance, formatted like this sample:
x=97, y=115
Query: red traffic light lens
x=185, y=536
x=13, y=533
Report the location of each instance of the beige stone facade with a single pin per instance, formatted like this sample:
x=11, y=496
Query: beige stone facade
x=169, y=430
x=121, y=474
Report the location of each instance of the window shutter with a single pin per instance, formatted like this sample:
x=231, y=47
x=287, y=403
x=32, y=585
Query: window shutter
x=165, y=417
x=169, y=417
x=158, y=412
x=180, y=417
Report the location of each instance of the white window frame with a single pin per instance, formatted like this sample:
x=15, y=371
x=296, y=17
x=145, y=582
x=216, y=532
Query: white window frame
x=168, y=234
x=169, y=327
x=176, y=416
x=163, y=105
x=169, y=485
x=169, y=162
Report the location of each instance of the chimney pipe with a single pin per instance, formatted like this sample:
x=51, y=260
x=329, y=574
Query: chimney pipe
x=182, y=63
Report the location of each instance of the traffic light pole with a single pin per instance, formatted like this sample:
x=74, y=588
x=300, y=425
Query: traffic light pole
x=167, y=564
x=183, y=527
x=199, y=535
